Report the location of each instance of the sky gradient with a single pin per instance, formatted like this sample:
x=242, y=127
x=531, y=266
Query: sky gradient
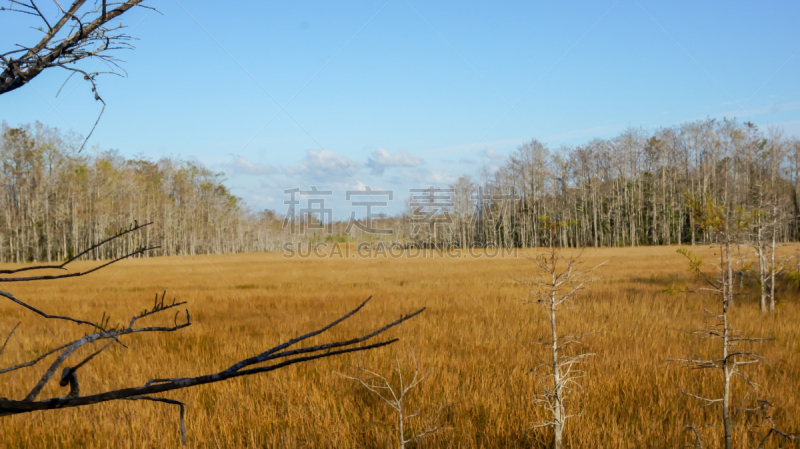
x=406, y=94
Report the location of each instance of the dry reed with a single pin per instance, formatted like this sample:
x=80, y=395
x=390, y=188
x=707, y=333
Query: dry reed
x=475, y=338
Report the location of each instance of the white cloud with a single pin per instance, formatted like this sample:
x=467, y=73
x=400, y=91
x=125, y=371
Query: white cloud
x=442, y=177
x=381, y=159
x=324, y=165
x=241, y=166
x=491, y=153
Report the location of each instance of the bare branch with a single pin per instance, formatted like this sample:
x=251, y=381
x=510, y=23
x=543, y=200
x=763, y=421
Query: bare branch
x=35, y=360
x=135, y=227
x=395, y=394
x=706, y=400
x=89, y=339
x=3, y=348
x=54, y=51
x=29, y=404
x=167, y=401
x=39, y=312
x=699, y=441
x=293, y=341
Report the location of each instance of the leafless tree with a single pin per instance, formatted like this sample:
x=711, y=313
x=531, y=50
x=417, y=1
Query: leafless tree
x=77, y=197
x=599, y=194
x=462, y=211
x=764, y=245
x=280, y=356
x=636, y=188
x=394, y=390
x=83, y=31
x=562, y=278
x=727, y=228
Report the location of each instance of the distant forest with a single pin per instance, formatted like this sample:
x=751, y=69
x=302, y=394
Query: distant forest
x=56, y=201
x=637, y=188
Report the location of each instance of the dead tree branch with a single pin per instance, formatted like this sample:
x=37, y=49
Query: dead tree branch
x=81, y=32
x=277, y=357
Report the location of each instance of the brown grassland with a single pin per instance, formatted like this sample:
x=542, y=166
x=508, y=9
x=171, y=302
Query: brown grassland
x=476, y=339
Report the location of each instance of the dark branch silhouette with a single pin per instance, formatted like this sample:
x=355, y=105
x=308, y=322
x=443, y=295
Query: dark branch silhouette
x=81, y=32
x=277, y=357
x=133, y=228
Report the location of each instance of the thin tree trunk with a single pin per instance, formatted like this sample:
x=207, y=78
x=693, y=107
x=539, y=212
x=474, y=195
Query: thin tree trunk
x=772, y=277
x=558, y=405
x=726, y=364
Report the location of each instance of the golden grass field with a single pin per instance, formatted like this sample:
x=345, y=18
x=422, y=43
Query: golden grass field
x=475, y=339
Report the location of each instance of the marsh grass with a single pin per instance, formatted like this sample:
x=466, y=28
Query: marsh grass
x=475, y=338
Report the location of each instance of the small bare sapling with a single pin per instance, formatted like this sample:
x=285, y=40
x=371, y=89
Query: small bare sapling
x=395, y=390
x=732, y=347
x=558, y=283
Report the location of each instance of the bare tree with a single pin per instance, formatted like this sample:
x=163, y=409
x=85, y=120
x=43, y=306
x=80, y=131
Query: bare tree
x=764, y=245
x=727, y=228
x=637, y=188
x=44, y=179
x=562, y=278
x=280, y=356
x=462, y=211
x=761, y=250
x=81, y=32
x=394, y=391
x=70, y=35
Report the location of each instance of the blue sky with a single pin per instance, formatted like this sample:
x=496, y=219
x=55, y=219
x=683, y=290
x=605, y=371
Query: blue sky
x=405, y=94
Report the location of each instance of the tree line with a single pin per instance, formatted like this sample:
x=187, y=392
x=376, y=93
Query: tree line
x=637, y=188
x=56, y=199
